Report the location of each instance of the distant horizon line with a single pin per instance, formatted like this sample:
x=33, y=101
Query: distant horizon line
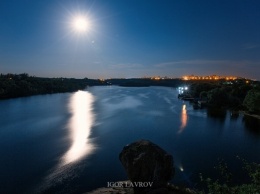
x=184, y=77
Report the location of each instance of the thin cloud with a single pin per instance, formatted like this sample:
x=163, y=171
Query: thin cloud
x=207, y=63
x=127, y=66
x=250, y=46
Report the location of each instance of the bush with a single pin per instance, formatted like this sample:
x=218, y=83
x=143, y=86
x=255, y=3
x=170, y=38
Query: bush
x=216, y=187
x=252, y=101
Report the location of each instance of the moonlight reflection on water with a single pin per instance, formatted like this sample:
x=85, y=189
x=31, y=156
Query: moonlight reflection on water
x=80, y=126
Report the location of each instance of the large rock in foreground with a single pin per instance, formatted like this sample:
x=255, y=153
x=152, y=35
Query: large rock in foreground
x=145, y=162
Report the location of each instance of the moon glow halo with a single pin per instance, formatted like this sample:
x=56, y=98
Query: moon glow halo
x=80, y=24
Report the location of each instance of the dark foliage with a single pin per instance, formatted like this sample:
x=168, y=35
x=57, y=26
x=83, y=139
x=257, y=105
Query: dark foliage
x=238, y=95
x=13, y=85
x=252, y=101
x=226, y=185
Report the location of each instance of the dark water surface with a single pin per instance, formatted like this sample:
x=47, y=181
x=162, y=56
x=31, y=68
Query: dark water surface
x=69, y=143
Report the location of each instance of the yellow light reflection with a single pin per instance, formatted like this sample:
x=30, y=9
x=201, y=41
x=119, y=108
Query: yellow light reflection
x=184, y=118
x=80, y=126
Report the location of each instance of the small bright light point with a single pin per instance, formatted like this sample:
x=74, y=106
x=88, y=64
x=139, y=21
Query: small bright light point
x=80, y=24
x=186, y=88
x=181, y=169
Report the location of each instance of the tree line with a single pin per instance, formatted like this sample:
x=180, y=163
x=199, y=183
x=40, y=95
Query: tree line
x=19, y=85
x=235, y=95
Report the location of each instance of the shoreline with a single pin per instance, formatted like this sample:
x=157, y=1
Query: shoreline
x=251, y=115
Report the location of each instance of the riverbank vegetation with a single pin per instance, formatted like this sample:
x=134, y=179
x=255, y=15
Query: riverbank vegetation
x=227, y=185
x=145, y=82
x=239, y=95
x=19, y=85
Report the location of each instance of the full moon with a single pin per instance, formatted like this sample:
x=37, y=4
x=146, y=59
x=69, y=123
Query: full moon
x=80, y=24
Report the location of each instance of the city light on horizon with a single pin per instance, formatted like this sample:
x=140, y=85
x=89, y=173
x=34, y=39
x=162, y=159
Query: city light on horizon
x=210, y=77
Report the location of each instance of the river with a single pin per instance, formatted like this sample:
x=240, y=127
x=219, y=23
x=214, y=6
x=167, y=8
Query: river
x=70, y=143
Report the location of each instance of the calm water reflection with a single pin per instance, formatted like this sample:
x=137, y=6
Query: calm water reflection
x=69, y=143
x=184, y=118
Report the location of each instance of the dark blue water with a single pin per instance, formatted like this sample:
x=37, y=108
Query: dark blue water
x=69, y=143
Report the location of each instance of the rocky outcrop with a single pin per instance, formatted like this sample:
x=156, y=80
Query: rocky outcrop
x=148, y=167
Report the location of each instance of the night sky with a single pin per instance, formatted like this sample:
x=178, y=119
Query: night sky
x=131, y=38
